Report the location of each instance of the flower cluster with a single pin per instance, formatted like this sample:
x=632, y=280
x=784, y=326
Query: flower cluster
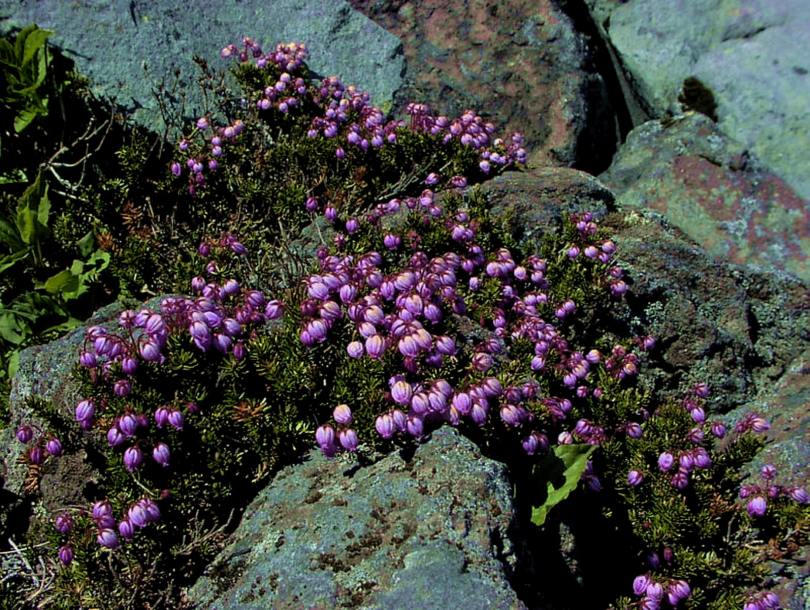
x=220, y=319
x=44, y=446
x=653, y=593
x=202, y=150
x=470, y=130
x=758, y=495
x=399, y=314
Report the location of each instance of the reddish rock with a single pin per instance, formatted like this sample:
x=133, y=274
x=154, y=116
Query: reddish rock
x=711, y=188
x=521, y=61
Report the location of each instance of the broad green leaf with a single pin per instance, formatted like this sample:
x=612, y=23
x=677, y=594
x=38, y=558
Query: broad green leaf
x=23, y=119
x=62, y=282
x=77, y=267
x=19, y=42
x=28, y=224
x=86, y=244
x=44, y=207
x=12, y=328
x=10, y=236
x=7, y=262
x=35, y=41
x=13, y=363
x=561, y=472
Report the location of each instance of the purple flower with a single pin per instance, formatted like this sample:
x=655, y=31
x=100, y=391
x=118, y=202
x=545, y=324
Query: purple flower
x=108, y=538
x=128, y=424
x=161, y=416
x=355, y=349
x=35, y=455
x=54, y=447
x=680, y=480
x=678, y=590
x=115, y=437
x=150, y=351
x=401, y=392
x=63, y=523
x=126, y=529
x=325, y=436
x=665, y=461
x=137, y=515
x=768, y=472
x=273, y=310
x=640, y=584
x=342, y=415
x=161, y=454
x=385, y=425
x=798, y=494
x=176, y=419
x=414, y=426
x=757, y=506
x=85, y=410
x=634, y=478
x=348, y=439
x=375, y=346
x=133, y=458
x=718, y=429
x=25, y=433
x=65, y=554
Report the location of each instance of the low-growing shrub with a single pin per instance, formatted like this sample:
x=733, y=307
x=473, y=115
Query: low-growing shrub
x=401, y=304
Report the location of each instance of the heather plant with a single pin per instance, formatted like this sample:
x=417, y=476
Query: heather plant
x=409, y=306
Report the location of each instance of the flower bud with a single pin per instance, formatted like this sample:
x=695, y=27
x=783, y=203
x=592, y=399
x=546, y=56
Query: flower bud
x=342, y=415
x=108, y=538
x=348, y=439
x=63, y=523
x=25, y=433
x=54, y=447
x=161, y=454
x=65, y=554
x=133, y=458
x=757, y=506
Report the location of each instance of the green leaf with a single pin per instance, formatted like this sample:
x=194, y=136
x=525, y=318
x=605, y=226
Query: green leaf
x=7, y=262
x=63, y=282
x=34, y=42
x=12, y=329
x=23, y=119
x=44, y=207
x=561, y=472
x=86, y=244
x=29, y=225
x=13, y=363
x=10, y=236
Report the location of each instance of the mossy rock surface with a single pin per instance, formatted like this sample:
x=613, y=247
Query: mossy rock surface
x=415, y=531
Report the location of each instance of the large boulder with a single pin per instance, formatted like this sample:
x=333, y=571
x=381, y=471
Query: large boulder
x=128, y=48
x=714, y=190
x=43, y=385
x=433, y=531
x=521, y=61
x=753, y=56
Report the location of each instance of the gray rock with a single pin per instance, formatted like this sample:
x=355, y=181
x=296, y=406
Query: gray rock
x=753, y=55
x=431, y=532
x=44, y=375
x=127, y=48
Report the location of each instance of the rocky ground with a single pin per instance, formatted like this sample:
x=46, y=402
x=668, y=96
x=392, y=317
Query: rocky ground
x=695, y=119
